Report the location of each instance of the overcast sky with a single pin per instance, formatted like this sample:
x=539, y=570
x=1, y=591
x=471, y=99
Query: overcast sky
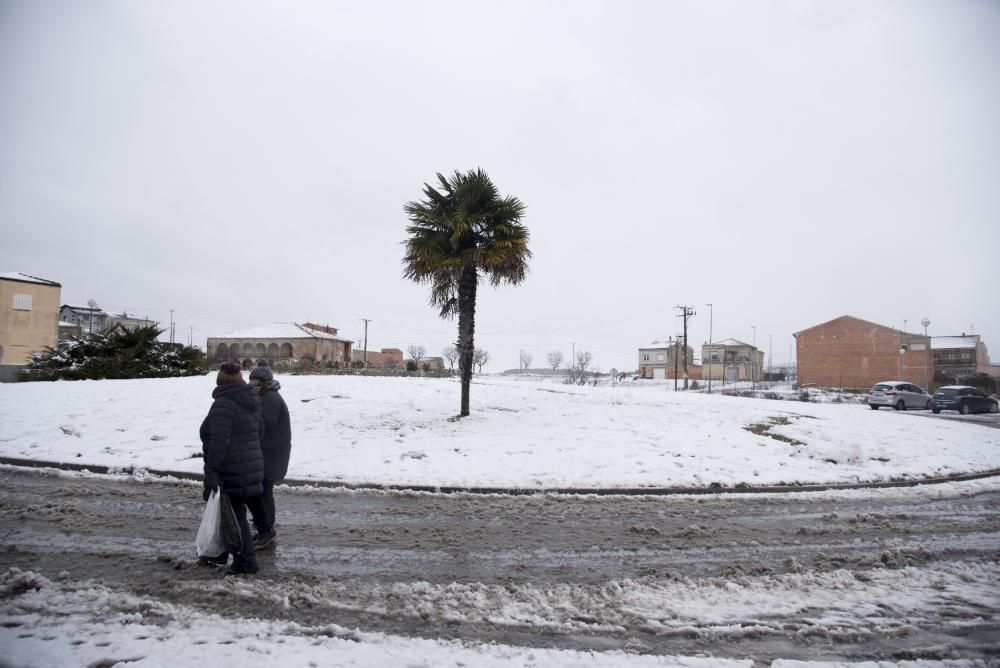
x=246, y=163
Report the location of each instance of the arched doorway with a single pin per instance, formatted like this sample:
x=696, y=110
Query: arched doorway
x=286, y=350
x=260, y=350
x=272, y=351
x=234, y=351
x=222, y=352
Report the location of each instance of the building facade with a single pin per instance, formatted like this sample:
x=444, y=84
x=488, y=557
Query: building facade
x=386, y=358
x=89, y=318
x=29, y=316
x=852, y=353
x=957, y=357
x=662, y=360
x=733, y=361
x=130, y=322
x=280, y=343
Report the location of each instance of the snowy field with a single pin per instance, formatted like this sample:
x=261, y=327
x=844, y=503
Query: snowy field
x=521, y=434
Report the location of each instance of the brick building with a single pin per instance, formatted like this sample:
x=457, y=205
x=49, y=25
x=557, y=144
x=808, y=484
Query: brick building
x=849, y=352
x=387, y=358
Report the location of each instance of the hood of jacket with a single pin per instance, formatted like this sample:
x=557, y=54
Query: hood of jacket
x=242, y=394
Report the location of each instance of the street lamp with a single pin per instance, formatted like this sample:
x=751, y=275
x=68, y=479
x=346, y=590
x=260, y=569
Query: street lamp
x=711, y=351
x=753, y=359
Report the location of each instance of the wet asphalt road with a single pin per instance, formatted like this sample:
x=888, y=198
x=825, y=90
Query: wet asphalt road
x=137, y=536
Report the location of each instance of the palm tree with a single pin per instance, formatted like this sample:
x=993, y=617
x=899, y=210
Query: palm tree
x=462, y=230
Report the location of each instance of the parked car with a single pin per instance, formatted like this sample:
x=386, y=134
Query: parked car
x=963, y=399
x=899, y=395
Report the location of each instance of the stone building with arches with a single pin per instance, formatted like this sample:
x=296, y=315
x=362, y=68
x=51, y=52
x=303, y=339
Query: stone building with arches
x=281, y=344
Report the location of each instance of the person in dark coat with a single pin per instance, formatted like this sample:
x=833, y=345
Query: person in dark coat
x=276, y=446
x=230, y=438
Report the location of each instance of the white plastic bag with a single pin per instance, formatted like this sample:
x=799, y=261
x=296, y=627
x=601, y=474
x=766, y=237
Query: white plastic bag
x=209, y=540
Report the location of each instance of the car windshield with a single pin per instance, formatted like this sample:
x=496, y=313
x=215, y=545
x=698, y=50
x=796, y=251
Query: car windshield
x=882, y=388
x=948, y=392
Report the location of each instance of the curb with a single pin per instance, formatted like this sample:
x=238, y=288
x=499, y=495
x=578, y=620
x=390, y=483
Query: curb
x=515, y=491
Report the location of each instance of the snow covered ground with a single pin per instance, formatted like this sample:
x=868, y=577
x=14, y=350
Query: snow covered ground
x=71, y=623
x=522, y=433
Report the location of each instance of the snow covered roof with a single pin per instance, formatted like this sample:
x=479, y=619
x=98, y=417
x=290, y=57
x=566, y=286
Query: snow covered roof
x=945, y=342
x=63, y=323
x=84, y=309
x=655, y=345
x=280, y=330
x=730, y=342
x=25, y=278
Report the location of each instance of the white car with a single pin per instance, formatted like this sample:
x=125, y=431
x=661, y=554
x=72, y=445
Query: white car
x=899, y=395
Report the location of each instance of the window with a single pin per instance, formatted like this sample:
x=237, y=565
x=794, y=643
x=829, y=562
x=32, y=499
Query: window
x=659, y=357
x=22, y=302
x=645, y=357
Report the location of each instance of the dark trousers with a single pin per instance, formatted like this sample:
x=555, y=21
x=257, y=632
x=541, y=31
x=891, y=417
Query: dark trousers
x=262, y=508
x=247, y=557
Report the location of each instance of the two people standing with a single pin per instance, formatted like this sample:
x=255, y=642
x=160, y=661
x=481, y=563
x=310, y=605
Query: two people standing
x=246, y=449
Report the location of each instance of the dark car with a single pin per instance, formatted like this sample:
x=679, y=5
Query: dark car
x=963, y=399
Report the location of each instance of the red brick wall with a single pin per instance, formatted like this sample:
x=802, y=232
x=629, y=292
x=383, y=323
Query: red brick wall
x=852, y=353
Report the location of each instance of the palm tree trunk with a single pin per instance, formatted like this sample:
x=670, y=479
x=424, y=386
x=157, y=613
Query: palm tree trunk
x=466, y=329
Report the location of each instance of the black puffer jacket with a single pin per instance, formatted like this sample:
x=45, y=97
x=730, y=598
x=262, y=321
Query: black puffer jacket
x=230, y=441
x=277, y=442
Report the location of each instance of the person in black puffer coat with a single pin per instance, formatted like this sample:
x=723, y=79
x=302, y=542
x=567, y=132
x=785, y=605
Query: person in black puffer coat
x=276, y=446
x=230, y=439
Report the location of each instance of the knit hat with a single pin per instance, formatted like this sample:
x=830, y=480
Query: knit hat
x=229, y=372
x=262, y=372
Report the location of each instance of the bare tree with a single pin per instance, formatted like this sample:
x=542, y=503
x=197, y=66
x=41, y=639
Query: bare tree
x=416, y=353
x=480, y=358
x=525, y=360
x=450, y=353
x=579, y=371
x=555, y=359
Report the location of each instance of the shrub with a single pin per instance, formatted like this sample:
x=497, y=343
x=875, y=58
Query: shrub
x=116, y=353
x=695, y=385
x=411, y=365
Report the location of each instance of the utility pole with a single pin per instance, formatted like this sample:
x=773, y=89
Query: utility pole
x=365, y=348
x=753, y=360
x=673, y=348
x=770, y=356
x=711, y=350
x=171, y=326
x=685, y=313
